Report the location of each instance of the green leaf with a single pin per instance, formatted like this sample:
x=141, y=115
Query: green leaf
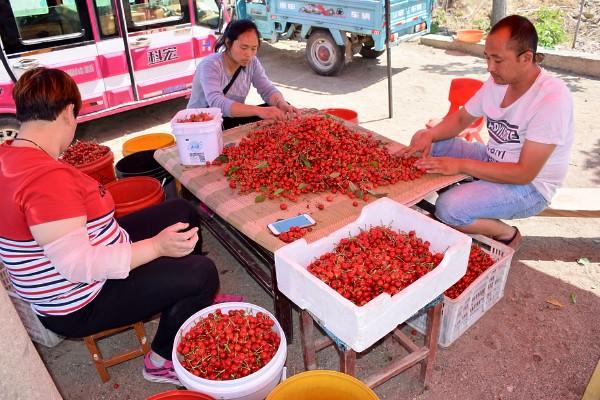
x=262, y=165
x=305, y=161
x=263, y=188
x=374, y=163
x=302, y=186
x=350, y=167
x=232, y=170
x=377, y=195
x=573, y=298
x=334, y=175
x=583, y=261
x=352, y=186
x=260, y=198
x=223, y=158
x=287, y=147
x=278, y=192
x=359, y=194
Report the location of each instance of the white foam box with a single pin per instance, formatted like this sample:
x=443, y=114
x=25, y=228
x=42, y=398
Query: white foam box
x=361, y=327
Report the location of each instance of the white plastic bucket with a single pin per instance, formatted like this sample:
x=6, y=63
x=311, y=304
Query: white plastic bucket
x=198, y=142
x=255, y=386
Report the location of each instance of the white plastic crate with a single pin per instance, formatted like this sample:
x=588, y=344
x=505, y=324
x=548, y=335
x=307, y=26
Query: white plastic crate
x=37, y=332
x=361, y=327
x=461, y=313
x=198, y=142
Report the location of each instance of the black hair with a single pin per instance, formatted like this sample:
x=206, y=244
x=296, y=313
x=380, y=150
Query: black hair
x=523, y=35
x=233, y=32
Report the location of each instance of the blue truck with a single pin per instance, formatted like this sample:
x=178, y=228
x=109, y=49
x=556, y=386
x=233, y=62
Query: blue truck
x=336, y=30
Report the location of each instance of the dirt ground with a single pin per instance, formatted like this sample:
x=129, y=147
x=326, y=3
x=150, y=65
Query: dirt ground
x=523, y=348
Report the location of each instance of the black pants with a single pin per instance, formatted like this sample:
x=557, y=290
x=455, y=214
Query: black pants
x=232, y=122
x=174, y=287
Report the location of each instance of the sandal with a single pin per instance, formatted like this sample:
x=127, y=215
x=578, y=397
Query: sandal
x=515, y=241
x=228, y=298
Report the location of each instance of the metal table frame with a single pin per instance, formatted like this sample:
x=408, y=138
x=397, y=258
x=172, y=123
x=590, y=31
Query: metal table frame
x=256, y=260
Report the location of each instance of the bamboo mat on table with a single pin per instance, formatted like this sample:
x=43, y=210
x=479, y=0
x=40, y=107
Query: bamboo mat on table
x=210, y=185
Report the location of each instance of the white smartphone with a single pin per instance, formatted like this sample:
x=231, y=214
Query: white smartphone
x=284, y=225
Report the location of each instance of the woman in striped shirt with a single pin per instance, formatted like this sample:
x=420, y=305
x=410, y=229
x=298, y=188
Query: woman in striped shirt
x=81, y=270
x=223, y=79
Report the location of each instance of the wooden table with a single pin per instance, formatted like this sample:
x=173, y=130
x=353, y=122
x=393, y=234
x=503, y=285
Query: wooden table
x=240, y=223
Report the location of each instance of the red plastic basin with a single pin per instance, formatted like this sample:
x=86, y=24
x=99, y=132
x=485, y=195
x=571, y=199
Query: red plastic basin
x=343, y=113
x=135, y=193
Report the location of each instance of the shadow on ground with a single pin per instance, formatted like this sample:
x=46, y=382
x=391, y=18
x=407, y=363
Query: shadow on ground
x=357, y=75
x=592, y=161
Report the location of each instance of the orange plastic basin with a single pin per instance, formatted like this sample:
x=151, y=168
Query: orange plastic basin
x=469, y=35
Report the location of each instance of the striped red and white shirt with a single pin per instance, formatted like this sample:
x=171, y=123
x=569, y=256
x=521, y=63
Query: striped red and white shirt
x=38, y=189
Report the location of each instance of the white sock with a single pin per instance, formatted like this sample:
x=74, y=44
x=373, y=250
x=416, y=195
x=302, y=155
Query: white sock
x=157, y=360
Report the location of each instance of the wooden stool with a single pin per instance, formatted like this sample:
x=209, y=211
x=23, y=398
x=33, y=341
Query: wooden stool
x=424, y=355
x=103, y=363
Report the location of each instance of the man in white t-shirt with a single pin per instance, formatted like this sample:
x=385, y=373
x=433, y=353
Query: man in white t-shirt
x=529, y=117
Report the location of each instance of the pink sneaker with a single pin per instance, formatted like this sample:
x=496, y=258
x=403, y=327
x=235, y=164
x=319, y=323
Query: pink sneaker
x=164, y=374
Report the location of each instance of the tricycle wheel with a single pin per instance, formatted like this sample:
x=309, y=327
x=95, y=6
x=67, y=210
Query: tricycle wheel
x=323, y=54
x=367, y=51
x=9, y=127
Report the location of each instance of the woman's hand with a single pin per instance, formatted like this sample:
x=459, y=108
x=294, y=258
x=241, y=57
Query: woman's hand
x=173, y=241
x=270, y=112
x=287, y=108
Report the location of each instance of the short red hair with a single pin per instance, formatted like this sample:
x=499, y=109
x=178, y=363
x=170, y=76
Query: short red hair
x=43, y=93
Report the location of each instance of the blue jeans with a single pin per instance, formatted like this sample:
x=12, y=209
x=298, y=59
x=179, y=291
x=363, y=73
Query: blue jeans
x=467, y=202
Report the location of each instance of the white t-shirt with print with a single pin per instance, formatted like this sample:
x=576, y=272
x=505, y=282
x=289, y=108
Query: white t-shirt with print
x=544, y=114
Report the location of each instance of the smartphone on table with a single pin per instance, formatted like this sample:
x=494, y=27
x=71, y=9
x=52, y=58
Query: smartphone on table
x=284, y=225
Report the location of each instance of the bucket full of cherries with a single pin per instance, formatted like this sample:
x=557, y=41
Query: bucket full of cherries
x=230, y=351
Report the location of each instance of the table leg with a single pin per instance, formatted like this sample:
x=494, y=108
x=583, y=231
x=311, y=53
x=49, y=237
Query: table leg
x=348, y=362
x=307, y=333
x=434, y=319
x=283, y=313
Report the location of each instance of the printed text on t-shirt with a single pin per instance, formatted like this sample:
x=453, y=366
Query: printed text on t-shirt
x=502, y=132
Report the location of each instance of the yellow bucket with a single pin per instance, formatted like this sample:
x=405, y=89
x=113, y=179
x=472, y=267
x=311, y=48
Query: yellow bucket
x=150, y=141
x=322, y=385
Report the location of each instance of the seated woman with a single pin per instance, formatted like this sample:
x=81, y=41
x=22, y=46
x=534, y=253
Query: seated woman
x=223, y=79
x=81, y=270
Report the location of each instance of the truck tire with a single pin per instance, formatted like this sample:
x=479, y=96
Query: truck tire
x=323, y=54
x=9, y=127
x=367, y=51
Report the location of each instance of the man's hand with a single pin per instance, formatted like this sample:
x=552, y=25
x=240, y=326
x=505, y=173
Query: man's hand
x=420, y=143
x=440, y=165
x=270, y=112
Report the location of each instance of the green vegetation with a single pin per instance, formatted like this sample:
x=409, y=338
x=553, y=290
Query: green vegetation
x=482, y=23
x=438, y=19
x=550, y=27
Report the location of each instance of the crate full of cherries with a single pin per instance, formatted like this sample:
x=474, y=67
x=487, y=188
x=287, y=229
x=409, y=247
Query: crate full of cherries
x=367, y=277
